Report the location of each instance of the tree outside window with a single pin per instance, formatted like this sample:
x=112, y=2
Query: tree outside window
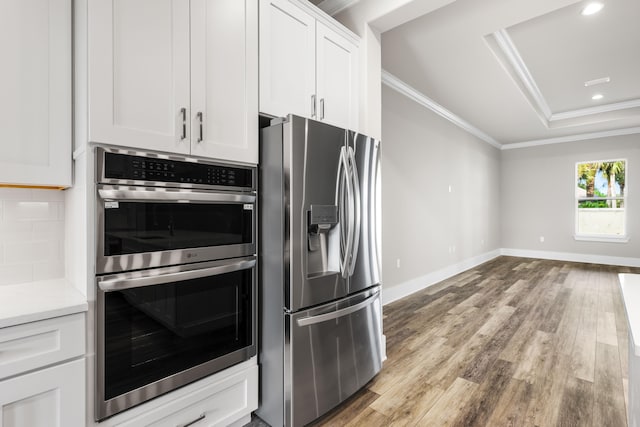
x=600, y=199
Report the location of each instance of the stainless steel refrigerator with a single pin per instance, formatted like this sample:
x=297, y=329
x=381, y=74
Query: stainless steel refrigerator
x=319, y=267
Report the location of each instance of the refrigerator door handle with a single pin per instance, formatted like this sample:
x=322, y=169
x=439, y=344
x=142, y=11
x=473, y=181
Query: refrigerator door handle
x=357, y=215
x=345, y=232
x=312, y=320
x=374, y=207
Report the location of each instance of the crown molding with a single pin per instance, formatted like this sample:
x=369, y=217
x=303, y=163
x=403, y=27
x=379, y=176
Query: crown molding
x=599, y=109
x=403, y=88
x=399, y=86
x=322, y=16
x=333, y=7
x=507, y=54
x=571, y=138
x=520, y=71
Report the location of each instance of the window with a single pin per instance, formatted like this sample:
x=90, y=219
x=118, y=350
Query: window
x=601, y=200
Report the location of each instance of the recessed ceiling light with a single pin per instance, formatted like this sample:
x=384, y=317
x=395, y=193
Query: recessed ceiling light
x=592, y=8
x=599, y=81
x=597, y=96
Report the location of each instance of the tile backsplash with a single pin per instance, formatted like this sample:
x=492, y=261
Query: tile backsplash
x=31, y=235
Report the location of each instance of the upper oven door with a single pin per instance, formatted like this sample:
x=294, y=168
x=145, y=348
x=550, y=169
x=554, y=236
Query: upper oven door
x=145, y=227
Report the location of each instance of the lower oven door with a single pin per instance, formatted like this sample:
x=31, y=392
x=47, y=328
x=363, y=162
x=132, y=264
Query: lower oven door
x=333, y=350
x=163, y=328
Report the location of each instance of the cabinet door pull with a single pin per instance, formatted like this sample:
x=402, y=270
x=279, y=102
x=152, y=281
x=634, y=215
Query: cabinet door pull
x=313, y=106
x=190, y=423
x=199, y=115
x=322, y=109
x=183, y=111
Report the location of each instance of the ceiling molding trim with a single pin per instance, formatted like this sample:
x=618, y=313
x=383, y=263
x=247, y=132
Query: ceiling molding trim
x=518, y=65
x=401, y=87
x=571, y=138
x=327, y=20
x=599, y=109
x=333, y=7
x=507, y=54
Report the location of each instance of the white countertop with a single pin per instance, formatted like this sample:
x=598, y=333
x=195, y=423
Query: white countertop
x=630, y=286
x=29, y=302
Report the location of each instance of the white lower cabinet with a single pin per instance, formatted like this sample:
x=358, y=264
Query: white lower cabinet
x=40, y=383
x=48, y=397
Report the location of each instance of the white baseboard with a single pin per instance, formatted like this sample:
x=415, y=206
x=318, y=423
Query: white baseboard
x=567, y=256
x=414, y=285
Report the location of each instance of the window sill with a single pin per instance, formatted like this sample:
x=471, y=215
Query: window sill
x=603, y=239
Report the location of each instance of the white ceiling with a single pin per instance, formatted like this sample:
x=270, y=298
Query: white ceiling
x=514, y=70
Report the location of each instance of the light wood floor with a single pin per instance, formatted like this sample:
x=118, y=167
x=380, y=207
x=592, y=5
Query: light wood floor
x=513, y=342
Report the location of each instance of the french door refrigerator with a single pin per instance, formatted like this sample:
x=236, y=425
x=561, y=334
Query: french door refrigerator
x=319, y=266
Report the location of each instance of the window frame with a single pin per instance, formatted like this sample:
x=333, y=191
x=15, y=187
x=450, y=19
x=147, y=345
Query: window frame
x=612, y=238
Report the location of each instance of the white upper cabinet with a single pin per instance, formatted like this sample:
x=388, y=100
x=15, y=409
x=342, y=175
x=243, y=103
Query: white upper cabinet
x=139, y=73
x=306, y=67
x=224, y=79
x=35, y=92
x=175, y=75
x=336, y=79
x=287, y=59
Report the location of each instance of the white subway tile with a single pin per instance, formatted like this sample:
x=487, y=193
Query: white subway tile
x=32, y=235
x=15, y=194
x=31, y=252
x=14, y=274
x=16, y=231
x=48, y=270
x=48, y=230
x=61, y=211
x=29, y=211
x=47, y=195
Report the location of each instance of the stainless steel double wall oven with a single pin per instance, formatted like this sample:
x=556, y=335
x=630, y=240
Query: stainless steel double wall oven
x=175, y=273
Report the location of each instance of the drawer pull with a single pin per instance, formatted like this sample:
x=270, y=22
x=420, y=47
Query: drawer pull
x=190, y=423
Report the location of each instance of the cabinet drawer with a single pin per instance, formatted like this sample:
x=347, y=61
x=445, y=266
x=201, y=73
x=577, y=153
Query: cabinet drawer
x=38, y=344
x=225, y=402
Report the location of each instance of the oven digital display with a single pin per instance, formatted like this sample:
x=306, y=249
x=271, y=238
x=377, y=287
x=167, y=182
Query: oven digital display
x=139, y=168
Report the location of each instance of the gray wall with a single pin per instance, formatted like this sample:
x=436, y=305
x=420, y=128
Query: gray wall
x=537, y=195
x=422, y=155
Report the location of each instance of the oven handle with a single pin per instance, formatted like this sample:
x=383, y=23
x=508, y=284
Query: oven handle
x=122, y=283
x=157, y=194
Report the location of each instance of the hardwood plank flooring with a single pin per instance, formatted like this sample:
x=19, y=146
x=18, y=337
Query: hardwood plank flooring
x=512, y=342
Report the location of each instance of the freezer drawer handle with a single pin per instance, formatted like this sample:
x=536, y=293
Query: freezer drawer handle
x=306, y=321
x=121, y=283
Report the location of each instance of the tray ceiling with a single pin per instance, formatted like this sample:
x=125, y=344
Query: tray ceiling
x=516, y=70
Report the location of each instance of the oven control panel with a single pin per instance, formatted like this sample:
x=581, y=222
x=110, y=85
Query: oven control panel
x=128, y=167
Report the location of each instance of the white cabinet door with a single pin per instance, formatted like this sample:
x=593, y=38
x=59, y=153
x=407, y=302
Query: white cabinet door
x=224, y=79
x=336, y=78
x=49, y=397
x=287, y=59
x=35, y=92
x=139, y=73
